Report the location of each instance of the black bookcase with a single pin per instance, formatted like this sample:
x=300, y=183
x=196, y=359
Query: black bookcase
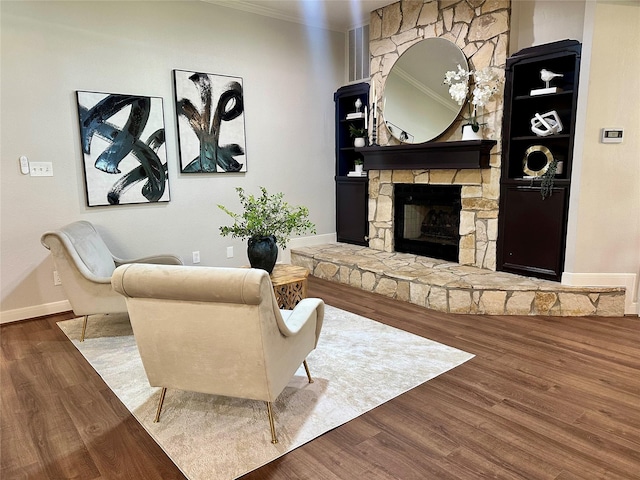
x=351, y=192
x=532, y=229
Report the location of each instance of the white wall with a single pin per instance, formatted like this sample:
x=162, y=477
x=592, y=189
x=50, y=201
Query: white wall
x=51, y=49
x=604, y=231
x=536, y=22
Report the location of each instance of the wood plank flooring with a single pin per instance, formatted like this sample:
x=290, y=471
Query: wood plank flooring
x=544, y=398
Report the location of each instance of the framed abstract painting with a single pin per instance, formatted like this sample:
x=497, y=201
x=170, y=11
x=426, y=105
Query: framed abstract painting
x=210, y=119
x=123, y=145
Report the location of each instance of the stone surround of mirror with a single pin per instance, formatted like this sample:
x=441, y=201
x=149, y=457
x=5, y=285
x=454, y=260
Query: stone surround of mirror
x=481, y=29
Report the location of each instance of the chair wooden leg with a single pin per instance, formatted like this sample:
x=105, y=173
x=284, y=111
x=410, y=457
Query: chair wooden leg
x=84, y=327
x=274, y=439
x=162, y=393
x=306, y=369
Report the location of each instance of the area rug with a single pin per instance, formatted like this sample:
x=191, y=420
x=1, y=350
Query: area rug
x=358, y=365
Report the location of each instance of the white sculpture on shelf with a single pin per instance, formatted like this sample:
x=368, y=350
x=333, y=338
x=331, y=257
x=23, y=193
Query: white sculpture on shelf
x=357, y=113
x=546, y=76
x=546, y=124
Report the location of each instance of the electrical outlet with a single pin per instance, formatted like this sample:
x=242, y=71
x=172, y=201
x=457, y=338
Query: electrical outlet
x=196, y=257
x=56, y=278
x=41, y=169
x=229, y=252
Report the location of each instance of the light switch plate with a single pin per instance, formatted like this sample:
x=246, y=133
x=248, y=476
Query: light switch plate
x=41, y=169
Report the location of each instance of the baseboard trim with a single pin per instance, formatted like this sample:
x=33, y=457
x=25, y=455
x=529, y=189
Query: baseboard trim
x=299, y=242
x=34, y=311
x=627, y=280
x=313, y=240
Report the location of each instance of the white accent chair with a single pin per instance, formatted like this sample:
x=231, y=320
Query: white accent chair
x=217, y=330
x=85, y=265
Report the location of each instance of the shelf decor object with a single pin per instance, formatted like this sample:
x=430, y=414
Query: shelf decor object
x=358, y=134
x=536, y=151
x=357, y=113
x=546, y=124
x=546, y=77
x=374, y=121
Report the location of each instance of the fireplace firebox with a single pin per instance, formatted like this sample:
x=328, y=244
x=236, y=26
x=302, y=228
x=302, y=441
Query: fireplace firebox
x=427, y=220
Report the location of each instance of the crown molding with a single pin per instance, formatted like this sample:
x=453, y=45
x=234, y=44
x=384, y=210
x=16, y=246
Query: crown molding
x=252, y=7
x=335, y=11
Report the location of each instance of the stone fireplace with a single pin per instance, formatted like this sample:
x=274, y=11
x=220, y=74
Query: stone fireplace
x=480, y=28
x=478, y=225
x=427, y=220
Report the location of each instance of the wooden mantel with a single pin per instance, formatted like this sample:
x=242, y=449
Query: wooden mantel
x=424, y=156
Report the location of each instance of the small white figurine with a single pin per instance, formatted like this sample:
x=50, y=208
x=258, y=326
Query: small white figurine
x=547, y=76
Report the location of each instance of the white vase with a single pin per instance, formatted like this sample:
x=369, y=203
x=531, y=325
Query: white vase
x=358, y=168
x=469, y=134
x=358, y=142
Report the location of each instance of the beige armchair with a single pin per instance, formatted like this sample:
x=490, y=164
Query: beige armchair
x=217, y=330
x=85, y=265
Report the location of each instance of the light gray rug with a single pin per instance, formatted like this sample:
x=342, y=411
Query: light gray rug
x=358, y=365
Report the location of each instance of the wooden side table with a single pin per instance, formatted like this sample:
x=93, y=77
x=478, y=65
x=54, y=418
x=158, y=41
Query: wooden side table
x=289, y=285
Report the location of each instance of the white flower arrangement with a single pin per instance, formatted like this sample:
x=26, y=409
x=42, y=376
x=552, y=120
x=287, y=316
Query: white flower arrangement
x=458, y=84
x=486, y=82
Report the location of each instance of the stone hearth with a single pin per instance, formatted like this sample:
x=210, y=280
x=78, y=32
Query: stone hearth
x=451, y=287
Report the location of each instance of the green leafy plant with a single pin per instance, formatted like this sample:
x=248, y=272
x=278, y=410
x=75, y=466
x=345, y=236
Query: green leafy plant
x=546, y=185
x=357, y=132
x=358, y=161
x=266, y=215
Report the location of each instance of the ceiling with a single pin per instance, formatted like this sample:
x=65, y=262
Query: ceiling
x=338, y=15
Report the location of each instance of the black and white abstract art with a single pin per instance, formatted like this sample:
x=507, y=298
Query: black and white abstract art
x=210, y=118
x=123, y=144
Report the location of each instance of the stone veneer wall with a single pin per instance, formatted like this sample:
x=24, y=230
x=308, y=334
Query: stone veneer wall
x=481, y=29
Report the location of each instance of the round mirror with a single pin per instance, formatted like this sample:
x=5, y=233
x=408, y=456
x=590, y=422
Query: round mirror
x=417, y=106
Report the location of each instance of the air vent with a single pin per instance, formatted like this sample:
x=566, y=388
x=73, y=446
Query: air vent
x=359, y=53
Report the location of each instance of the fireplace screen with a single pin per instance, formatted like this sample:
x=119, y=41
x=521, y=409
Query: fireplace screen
x=427, y=220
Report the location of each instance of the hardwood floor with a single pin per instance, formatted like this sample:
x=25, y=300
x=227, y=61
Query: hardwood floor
x=544, y=398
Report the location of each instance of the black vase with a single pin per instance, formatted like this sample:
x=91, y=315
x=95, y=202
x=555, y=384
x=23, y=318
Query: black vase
x=262, y=252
